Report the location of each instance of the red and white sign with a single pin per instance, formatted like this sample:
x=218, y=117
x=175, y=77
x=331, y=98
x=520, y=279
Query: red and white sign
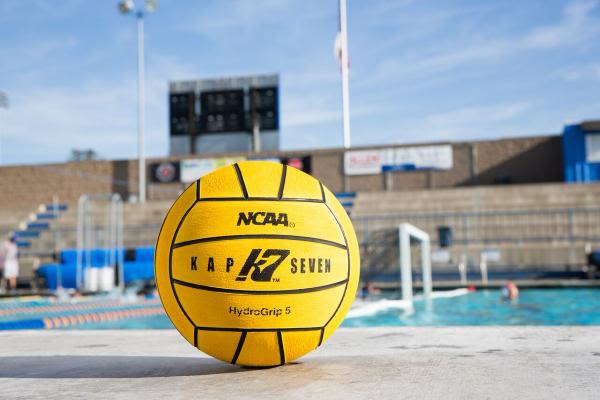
x=362, y=162
x=371, y=162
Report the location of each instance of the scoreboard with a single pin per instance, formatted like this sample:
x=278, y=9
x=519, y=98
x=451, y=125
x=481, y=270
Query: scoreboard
x=182, y=112
x=222, y=111
x=222, y=115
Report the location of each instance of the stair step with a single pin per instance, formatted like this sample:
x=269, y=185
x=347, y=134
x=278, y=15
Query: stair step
x=28, y=234
x=57, y=207
x=38, y=225
x=46, y=215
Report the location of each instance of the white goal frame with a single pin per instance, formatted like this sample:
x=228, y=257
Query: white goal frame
x=405, y=233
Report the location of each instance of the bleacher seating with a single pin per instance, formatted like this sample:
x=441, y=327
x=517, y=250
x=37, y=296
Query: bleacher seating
x=532, y=226
x=479, y=198
x=541, y=226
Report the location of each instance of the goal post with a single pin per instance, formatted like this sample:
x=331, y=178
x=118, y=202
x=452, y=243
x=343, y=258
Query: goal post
x=405, y=233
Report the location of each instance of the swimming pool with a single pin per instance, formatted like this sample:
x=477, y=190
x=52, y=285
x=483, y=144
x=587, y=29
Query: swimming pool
x=482, y=307
x=565, y=306
x=103, y=312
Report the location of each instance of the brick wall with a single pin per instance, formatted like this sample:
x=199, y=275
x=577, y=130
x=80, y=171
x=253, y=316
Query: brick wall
x=29, y=185
x=519, y=160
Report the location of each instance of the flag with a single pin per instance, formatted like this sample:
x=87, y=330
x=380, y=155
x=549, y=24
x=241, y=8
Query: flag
x=337, y=47
x=337, y=43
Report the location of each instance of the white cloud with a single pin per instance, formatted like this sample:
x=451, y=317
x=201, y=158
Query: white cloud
x=458, y=118
x=236, y=16
x=465, y=123
x=576, y=26
x=20, y=57
x=44, y=123
x=587, y=72
x=39, y=8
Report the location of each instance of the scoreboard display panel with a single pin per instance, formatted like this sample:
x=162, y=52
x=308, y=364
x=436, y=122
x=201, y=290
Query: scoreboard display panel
x=221, y=111
x=263, y=98
x=263, y=107
x=222, y=122
x=182, y=113
x=220, y=101
x=267, y=119
x=224, y=114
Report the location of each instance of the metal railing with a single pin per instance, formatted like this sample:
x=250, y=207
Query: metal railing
x=571, y=227
x=496, y=227
x=108, y=235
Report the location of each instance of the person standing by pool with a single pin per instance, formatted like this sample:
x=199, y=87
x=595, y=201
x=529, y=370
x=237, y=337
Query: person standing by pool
x=9, y=262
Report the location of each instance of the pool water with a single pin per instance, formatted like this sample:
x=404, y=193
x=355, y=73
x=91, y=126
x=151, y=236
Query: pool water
x=482, y=307
x=486, y=307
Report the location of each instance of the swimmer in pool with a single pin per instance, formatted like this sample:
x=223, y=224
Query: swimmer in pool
x=369, y=289
x=510, y=291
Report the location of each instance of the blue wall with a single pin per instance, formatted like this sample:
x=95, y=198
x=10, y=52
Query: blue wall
x=577, y=169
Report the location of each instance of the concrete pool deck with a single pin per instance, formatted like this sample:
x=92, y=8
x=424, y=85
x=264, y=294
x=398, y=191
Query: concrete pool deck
x=370, y=363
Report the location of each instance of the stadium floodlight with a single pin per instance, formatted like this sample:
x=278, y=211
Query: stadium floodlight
x=150, y=6
x=128, y=7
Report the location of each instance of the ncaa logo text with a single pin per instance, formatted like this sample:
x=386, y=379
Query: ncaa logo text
x=262, y=218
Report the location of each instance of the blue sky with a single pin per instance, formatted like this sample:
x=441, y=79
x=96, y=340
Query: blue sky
x=420, y=70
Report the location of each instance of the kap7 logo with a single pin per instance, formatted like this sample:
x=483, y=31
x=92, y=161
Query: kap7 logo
x=262, y=266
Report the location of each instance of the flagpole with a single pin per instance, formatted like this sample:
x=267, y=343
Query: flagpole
x=345, y=86
x=3, y=104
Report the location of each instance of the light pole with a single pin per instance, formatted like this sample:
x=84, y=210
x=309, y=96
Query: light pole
x=128, y=7
x=344, y=67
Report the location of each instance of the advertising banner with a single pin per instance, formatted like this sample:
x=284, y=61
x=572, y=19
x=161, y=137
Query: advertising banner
x=303, y=163
x=418, y=157
x=193, y=169
x=369, y=162
x=362, y=162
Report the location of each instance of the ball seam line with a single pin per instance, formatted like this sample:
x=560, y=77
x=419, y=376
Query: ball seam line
x=282, y=182
x=258, y=198
x=221, y=329
x=238, y=172
x=281, y=349
x=348, y=254
x=258, y=292
x=170, y=251
x=238, y=349
x=259, y=236
x=171, y=258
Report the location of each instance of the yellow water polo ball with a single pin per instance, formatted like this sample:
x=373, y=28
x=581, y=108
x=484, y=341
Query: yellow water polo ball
x=257, y=263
